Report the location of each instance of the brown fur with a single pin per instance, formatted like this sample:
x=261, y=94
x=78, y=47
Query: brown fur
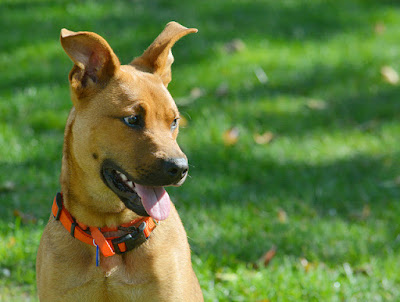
x=102, y=93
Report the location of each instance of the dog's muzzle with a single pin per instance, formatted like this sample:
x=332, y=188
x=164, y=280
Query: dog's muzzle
x=170, y=172
x=118, y=181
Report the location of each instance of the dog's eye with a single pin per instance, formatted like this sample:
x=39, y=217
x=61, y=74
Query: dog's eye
x=133, y=121
x=174, y=124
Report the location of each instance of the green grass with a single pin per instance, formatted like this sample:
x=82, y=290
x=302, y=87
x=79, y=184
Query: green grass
x=333, y=166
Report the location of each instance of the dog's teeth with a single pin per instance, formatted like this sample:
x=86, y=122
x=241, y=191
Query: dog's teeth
x=123, y=177
x=130, y=184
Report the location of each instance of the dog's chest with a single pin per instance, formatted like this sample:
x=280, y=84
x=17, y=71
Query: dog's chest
x=119, y=269
x=109, y=266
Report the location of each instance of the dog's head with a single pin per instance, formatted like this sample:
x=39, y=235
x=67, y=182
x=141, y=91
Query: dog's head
x=125, y=122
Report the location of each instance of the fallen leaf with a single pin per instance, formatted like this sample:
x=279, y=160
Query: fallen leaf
x=25, y=218
x=316, y=104
x=226, y=276
x=332, y=212
x=366, y=211
x=390, y=75
x=196, y=93
x=261, y=75
x=267, y=257
x=305, y=264
x=282, y=216
x=11, y=242
x=263, y=139
x=231, y=136
x=222, y=90
x=363, y=270
x=6, y=272
x=392, y=182
x=7, y=186
x=183, y=122
x=348, y=271
x=298, y=32
x=369, y=125
x=379, y=28
x=235, y=45
x=388, y=162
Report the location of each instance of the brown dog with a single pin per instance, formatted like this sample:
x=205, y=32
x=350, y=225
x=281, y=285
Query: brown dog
x=120, y=150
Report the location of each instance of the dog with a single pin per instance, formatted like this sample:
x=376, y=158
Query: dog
x=114, y=234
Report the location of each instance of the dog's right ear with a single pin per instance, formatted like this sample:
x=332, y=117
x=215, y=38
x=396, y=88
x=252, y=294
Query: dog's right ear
x=95, y=61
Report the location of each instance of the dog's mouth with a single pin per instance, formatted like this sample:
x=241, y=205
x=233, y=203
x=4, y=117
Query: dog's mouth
x=143, y=200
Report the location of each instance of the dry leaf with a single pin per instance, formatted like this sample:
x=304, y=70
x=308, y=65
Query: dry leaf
x=390, y=75
x=305, y=264
x=364, y=270
x=196, y=93
x=183, y=122
x=316, y=104
x=235, y=45
x=388, y=162
x=363, y=214
x=267, y=257
x=282, y=216
x=26, y=218
x=261, y=75
x=379, y=28
x=6, y=272
x=231, y=136
x=368, y=126
x=11, y=242
x=366, y=211
x=7, y=186
x=263, y=139
x=348, y=270
x=393, y=182
x=226, y=276
x=222, y=90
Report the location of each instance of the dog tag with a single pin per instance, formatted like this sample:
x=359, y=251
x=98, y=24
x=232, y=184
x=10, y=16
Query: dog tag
x=97, y=254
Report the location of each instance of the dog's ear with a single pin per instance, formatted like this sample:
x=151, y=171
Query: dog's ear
x=158, y=56
x=95, y=61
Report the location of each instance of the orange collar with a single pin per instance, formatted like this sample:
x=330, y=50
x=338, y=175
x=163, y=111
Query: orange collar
x=139, y=231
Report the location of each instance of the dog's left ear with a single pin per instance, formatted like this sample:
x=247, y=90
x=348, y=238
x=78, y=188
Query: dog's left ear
x=158, y=56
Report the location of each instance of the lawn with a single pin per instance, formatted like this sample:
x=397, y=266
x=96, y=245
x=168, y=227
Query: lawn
x=291, y=128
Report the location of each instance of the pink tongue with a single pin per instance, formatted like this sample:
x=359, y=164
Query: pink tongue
x=155, y=200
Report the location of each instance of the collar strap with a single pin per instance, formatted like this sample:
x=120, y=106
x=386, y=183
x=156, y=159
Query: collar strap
x=139, y=231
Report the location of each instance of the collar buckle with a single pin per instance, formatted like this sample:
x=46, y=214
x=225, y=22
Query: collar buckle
x=131, y=240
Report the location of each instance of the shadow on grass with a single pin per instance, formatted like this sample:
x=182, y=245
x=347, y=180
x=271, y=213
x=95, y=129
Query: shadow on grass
x=336, y=193
x=345, y=108
x=345, y=184
x=29, y=187
x=351, y=204
x=130, y=26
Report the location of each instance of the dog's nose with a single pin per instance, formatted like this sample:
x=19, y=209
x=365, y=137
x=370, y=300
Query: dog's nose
x=176, y=168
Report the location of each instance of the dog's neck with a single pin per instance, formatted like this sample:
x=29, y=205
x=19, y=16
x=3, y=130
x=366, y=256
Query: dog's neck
x=83, y=205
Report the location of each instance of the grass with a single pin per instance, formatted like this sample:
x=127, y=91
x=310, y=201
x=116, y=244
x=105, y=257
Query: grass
x=324, y=192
